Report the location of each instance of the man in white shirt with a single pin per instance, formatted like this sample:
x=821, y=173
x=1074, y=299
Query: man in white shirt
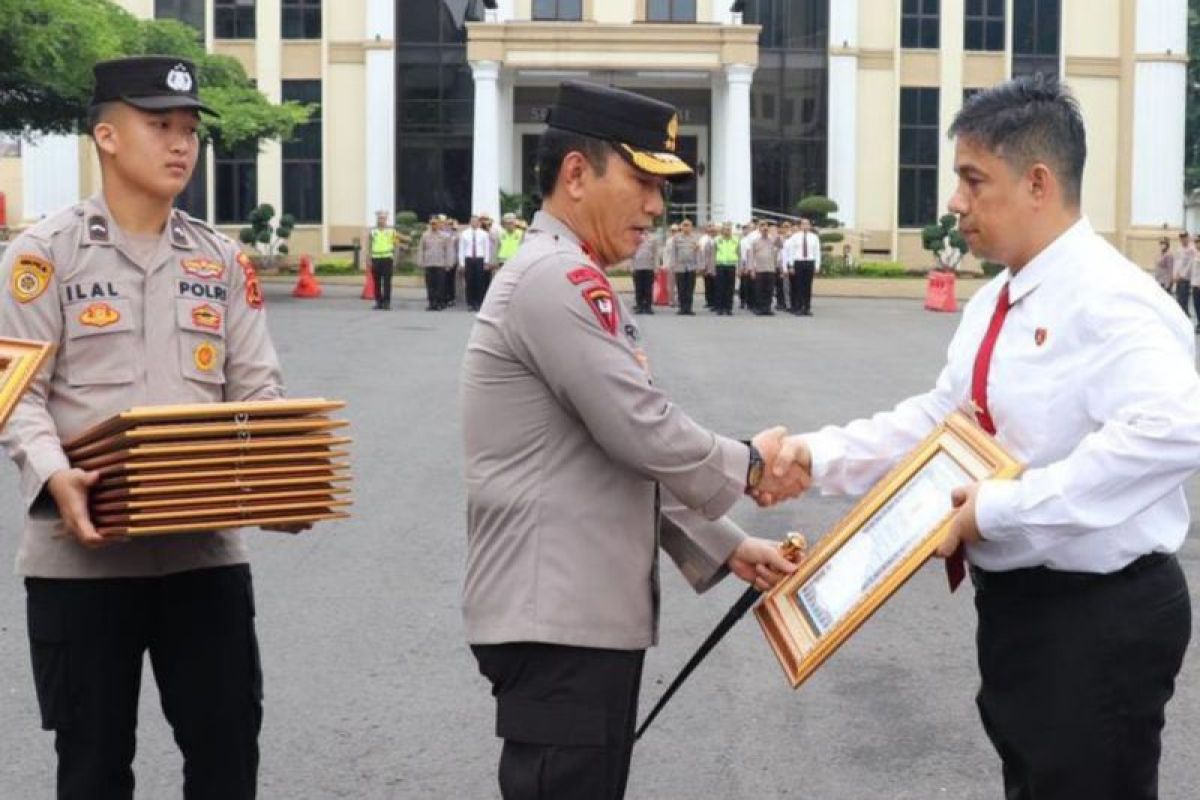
x=802, y=257
x=1184, y=258
x=1085, y=371
x=474, y=253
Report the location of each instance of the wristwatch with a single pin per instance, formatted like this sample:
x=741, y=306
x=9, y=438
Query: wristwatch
x=754, y=474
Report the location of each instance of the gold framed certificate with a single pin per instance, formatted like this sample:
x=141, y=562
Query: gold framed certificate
x=877, y=546
x=19, y=363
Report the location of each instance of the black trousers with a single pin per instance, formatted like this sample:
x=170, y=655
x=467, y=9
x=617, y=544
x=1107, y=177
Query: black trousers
x=764, y=287
x=685, y=288
x=434, y=278
x=1196, y=302
x=567, y=718
x=475, y=281
x=88, y=639
x=1076, y=672
x=1183, y=291
x=724, y=288
x=802, y=282
x=780, y=296
x=381, y=272
x=448, y=284
x=643, y=289
x=710, y=293
x=746, y=290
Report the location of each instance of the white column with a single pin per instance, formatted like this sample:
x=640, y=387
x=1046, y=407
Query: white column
x=380, y=133
x=842, y=154
x=485, y=165
x=49, y=175
x=268, y=64
x=718, y=160
x=1159, y=103
x=510, y=174
x=739, y=197
x=506, y=10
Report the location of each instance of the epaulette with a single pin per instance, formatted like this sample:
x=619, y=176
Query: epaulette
x=44, y=229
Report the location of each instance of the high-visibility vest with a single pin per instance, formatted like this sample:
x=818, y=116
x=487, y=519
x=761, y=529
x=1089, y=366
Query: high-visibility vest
x=383, y=242
x=727, y=251
x=509, y=242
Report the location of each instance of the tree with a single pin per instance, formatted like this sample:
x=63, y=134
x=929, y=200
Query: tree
x=818, y=210
x=271, y=241
x=945, y=241
x=48, y=48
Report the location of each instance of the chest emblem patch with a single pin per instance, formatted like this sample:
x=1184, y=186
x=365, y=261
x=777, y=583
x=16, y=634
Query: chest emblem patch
x=99, y=315
x=207, y=317
x=254, y=295
x=203, y=268
x=205, y=357
x=601, y=301
x=30, y=276
x=1039, y=337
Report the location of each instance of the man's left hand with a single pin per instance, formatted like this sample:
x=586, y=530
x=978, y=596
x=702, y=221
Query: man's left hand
x=963, y=527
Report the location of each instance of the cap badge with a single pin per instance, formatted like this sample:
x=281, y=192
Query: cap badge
x=672, y=133
x=179, y=79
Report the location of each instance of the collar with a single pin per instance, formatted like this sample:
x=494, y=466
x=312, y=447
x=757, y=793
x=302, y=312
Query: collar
x=1043, y=264
x=545, y=222
x=98, y=229
x=177, y=230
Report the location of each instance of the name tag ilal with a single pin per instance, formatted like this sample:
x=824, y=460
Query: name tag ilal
x=80, y=291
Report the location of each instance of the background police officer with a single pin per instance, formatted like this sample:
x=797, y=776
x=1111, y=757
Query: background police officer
x=561, y=593
x=145, y=305
x=383, y=254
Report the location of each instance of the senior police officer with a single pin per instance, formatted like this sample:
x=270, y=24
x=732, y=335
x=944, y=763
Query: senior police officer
x=146, y=305
x=561, y=592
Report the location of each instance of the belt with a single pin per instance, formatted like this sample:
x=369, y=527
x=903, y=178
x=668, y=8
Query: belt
x=1043, y=580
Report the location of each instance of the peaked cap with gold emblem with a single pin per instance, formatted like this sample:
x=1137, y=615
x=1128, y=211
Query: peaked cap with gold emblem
x=643, y=130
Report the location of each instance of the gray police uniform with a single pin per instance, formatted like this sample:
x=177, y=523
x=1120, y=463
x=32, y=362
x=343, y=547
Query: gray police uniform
x=563, y=519
x=685, y=263
x=645, y=261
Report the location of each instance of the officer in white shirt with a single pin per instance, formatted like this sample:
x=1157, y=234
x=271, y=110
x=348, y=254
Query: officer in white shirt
x=1084, y=370
x=802, y=259
x=474, y=254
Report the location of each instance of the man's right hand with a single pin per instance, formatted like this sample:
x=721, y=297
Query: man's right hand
x=69, y=488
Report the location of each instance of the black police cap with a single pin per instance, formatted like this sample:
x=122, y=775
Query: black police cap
x=643, y=130
x=151, y=83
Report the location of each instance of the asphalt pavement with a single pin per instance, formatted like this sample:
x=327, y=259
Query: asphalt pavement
x=371, y=691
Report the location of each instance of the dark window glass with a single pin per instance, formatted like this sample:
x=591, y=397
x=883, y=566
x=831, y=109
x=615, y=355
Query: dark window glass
x=302, y=156
x=236, y=182
x=918, y=157
x=920, y=23
x=1036, y=31
x=233, y=19
x=301, y=19
x=671, y=11
x=790, y=24
x=561, y=10
x=430, y=22
x=984, y=25
x=194, y=197
x=189, y=12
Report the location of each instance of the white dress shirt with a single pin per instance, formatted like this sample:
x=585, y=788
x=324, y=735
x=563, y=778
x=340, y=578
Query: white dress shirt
x=481, y=242
x=1092, y=386
x=794, y=249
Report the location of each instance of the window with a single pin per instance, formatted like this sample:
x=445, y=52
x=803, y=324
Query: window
x=561, y=10
x=670, y=10
x=189, y=12
x=236, y=180
x=1036, y=25
x=920, y=24
x=302, y=156
x=233, y=19
x=301, y=19
x=918, y=157
x=984, y=27
x=790, y=24
x=194, y=197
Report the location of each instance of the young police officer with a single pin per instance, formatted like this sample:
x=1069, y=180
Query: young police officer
x=145, y=305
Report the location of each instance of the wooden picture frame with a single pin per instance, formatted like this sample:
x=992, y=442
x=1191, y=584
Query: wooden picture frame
x=19, y=362
x=881, y=543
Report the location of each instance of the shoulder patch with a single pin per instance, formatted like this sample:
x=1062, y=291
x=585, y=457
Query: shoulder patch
x=582, y=275
x=603, y=305
x=254, y=295
x=30, y=276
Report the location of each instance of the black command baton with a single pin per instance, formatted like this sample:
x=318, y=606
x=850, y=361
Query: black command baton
x=792, y=547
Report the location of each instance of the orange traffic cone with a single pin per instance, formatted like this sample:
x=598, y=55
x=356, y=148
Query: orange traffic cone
x=368, y=292
x=306, y=285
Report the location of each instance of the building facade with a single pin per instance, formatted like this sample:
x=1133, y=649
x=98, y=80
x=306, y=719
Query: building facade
x=436, y=105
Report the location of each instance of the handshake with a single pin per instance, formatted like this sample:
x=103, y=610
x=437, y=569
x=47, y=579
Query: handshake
x=787, y=467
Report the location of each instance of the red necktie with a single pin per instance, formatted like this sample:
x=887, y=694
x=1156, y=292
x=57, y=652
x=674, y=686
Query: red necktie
x=955, y=568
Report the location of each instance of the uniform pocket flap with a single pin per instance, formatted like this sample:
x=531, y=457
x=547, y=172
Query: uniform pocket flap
x=98, y=317
x=202, y=316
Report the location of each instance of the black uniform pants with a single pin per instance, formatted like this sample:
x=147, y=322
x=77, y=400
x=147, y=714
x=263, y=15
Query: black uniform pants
x=802, y=283
x=1183, y=291
x=685, y=288
x=643, y=289
x=746, y=290
x=1076, y=672
x=780, y=295
x=475, y=281
x=381, y=272
x=87, y=641
x=710, y=294
x=726, y=275
x=448, y=289
x=1196, y=302
x=567, y=718
x=434, y=277
x=764, y=287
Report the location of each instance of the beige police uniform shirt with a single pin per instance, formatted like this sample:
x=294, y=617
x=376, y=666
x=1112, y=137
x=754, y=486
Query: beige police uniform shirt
x=646, y=257
x=563, y=533
x=179, y=322
x=763, y=255
x=685, y=253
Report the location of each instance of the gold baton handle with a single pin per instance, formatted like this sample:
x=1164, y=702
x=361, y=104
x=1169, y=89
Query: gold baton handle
x=794, y=546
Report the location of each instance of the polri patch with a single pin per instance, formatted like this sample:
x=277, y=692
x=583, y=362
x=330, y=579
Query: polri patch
x=205, y=316
x=203, y=268
x=603, y=306
x=30, y=276
x=205, y=357
x=99, y=315
x=254, y=295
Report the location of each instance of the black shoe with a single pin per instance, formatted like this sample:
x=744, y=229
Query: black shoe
x=431, y=308
x=650, y=311
x=806, y=313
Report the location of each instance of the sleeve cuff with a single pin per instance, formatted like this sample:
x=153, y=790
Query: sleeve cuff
x=995, y=505
x=41, y=465
x=733, y=464
x=820, y=450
